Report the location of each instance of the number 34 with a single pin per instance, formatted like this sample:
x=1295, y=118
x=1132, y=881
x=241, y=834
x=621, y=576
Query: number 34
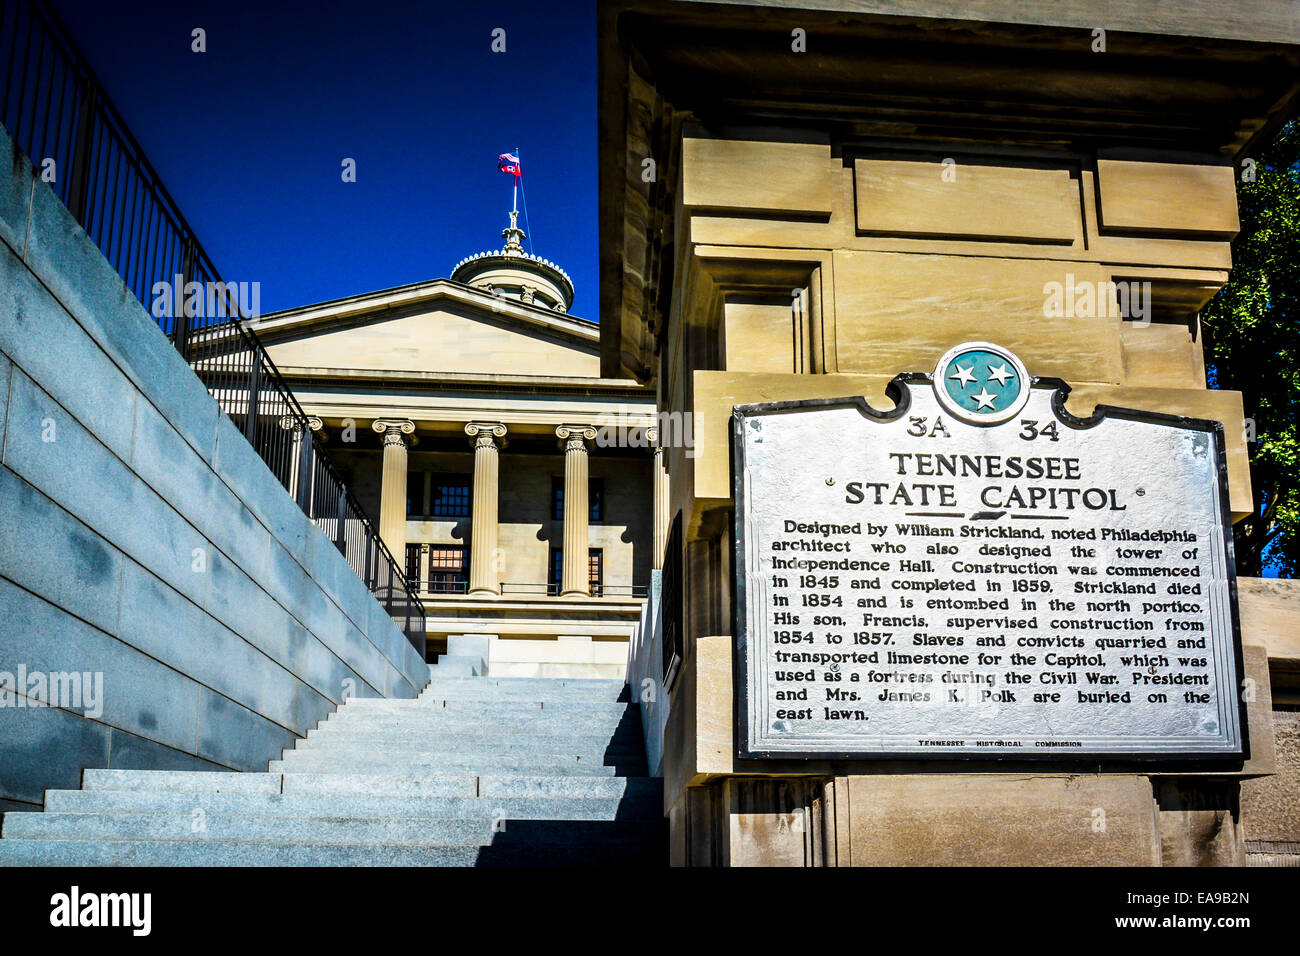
x=1029, y=430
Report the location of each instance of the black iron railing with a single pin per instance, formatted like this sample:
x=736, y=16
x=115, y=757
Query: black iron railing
x=597, y=590
x=446, y=587
x=621, y=590
x=58, y=114
x=519, y=587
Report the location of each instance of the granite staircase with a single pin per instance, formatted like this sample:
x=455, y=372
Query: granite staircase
x=477, y=771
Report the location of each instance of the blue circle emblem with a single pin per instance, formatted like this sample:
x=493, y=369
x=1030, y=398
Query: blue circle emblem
x=982, y=383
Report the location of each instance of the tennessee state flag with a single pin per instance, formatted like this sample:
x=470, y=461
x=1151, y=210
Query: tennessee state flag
x=509, y=163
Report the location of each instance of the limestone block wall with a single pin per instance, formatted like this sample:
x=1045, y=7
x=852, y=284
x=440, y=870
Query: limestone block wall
x=145, y=546
x=565, y=656
x=1090, y=268
x=645, y=675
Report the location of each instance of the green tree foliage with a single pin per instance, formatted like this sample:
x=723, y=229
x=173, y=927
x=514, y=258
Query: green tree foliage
x=1252, y=345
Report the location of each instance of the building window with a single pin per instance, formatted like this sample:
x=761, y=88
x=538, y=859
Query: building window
x=595, y=499
x=413, y=566
x=555, y=576
x=595, y=571
x=447, y=569
x=449, y=496
x=437, y=495
x=415, y=494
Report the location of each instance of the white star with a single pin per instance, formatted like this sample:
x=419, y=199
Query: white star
x=983, y=399
x=964, y=375
x=1001, y=373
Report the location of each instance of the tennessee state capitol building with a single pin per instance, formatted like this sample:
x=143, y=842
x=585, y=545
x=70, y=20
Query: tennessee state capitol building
x=469, y=414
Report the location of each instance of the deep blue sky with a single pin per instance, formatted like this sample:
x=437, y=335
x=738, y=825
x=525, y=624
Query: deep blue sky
x=249, y=137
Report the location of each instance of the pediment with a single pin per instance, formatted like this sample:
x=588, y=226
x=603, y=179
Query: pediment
x=437, y=327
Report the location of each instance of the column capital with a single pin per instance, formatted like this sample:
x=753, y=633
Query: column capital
x=485, y=434
x=393, y=429
x=575, y=437
x=291, y=423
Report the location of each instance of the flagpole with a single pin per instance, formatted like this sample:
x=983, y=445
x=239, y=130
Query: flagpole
x=518, y=182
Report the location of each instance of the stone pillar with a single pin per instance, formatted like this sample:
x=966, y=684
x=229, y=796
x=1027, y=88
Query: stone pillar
x=483, y=522
x=299, y=483
x=575, y=437
x=659, y=477
x=290, y=423
x=392, y=492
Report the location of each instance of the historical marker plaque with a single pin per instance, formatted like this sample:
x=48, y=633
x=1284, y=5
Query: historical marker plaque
x=978, y=573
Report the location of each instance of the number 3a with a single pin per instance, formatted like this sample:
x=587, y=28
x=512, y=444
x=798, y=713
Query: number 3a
x=1030, y=430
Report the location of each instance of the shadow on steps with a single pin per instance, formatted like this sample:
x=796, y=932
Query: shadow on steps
x=579, y=843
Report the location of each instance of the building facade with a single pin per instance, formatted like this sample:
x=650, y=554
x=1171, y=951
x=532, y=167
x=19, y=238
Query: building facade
x=843, y=195
x=513, y=482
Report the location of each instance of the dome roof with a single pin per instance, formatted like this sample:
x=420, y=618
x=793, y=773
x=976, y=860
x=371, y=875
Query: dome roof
x=514, y=274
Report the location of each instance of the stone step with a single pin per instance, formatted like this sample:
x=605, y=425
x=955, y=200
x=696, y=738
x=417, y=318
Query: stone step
x=553, y=683
x=485, y=707
x=490, y=786
x=292, y=829
x=250, y=829
x=477, y=771
x=485, y=710
x=184, y=781
x=634, y=805
x=406, y=740
x=525, y=687
x=485, y=734
x=212, y=853
x=423, y=754
x=311, y=762
x=398, y=783
x=436, y=728
x=600, y=749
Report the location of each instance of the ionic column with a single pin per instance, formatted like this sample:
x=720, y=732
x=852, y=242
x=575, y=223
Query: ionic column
x=392, y=489
x=483, y=522
x=290, y=423
x=575, y=579
x=299, y=483
x=659, y=477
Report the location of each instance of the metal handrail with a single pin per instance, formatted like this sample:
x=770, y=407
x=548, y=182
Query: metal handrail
x=600, y=590
x=444, y=587
x=524, y=587
x=624, y=590
x=57, y=113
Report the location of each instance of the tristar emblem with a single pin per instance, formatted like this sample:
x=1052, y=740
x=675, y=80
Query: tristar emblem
x=981, y=383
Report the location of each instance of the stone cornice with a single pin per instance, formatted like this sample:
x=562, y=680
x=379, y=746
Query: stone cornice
x=336, y=311
x=624, y=388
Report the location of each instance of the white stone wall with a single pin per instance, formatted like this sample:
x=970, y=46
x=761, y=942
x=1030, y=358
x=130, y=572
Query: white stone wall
x=144, y=541
x=645, y=676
